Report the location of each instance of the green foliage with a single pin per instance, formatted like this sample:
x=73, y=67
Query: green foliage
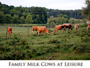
x=22, y=20
x=39, y=15
x=53, y=41
x=28, y=19
x=61, y=15
x=8, y=19
x=15, y=19
x=1, y=17
x=86, y=10
x=51, y=22
x=80, y=49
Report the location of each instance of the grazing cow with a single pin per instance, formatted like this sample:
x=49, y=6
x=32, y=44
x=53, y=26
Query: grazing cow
x=34, y=28
x=59, y=27
x=69, y=26
x=42, y=29
x=88, y=26
x=9, y=30
x=76, y=27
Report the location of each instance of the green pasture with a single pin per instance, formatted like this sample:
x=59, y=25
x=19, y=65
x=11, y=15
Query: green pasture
x=70, y=45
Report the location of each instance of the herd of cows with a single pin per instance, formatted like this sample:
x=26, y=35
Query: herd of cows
x=43, y=29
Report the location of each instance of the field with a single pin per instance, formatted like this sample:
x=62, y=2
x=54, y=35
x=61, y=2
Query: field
x=70, y=45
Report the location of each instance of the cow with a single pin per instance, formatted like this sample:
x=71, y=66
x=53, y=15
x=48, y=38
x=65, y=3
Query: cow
x=42, y=29
x=69, y=26
x=76, y=27
x=9, y=30
x=59, y=27
x=88, y=26
x=34, y=28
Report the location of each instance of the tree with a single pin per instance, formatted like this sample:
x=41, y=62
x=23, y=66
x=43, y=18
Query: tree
x=62, y=19
x=22, y=20
x=39, y=14
x=71, y=21
x=84, y=21
x=15, y=19
x=59, y=20
x=28, y=19
x=51, y=22
x=13, y=11
x=1, y=17
x=86, y=10
x=8, y=18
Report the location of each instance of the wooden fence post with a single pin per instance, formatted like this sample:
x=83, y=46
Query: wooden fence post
x=6, y=32
x=28, y=31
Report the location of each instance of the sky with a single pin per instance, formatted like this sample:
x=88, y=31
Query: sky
x=50, y=4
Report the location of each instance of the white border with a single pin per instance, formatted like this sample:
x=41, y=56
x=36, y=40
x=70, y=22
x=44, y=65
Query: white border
x=43, y=63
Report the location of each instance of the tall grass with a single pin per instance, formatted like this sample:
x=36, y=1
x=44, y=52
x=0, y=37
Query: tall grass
x=70, y=45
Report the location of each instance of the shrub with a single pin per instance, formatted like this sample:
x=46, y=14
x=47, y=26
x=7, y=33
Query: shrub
x=53, y=41
x=23, y=42
x=15, y=36
x=80, y=49
x=85, y=39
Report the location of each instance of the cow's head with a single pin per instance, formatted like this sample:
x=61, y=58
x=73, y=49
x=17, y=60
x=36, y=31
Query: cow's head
x=48, y=32
x=71, y=28
x=11, y=30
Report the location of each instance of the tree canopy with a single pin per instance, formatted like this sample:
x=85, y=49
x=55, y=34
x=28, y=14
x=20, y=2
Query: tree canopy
x=86, y=10
x=38, y=15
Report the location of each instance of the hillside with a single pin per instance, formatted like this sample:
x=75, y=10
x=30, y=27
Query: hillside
x=70, y=45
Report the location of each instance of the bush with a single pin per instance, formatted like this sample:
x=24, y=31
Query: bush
x=53, y=41
x=85, y=39
x=23, y=42
x=80, y=49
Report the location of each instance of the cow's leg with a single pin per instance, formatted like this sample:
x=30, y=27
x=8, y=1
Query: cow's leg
x=9, y=35
x=38, y=33
x=63, y=30
x=32, y=31
x=57, y=31
x=75, y=29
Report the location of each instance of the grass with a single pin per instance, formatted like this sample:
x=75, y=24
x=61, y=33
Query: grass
x=70, y=45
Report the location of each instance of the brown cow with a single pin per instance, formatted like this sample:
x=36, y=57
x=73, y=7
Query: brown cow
x=9, y=30
x=42, y=29
x=76, y=27
x=34, y=28
x=88, y=26
x=69, y=26
x=59, y=27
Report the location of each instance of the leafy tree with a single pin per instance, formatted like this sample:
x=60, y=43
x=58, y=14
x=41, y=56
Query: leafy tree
x=86, y=10
x=62, y=19
x=43, y=19
x=22, y=20
x=72, y=21
x=39, y=14
x=15, y=19
x=8, y=18
x=59, y=20
x=51, y=22
x=1, y=17
x=84, y=20
x=13, y=11
x=25, y=14
x=28, y=19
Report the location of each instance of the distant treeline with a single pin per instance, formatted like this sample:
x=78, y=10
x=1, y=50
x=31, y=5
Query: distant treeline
x=33, y=15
